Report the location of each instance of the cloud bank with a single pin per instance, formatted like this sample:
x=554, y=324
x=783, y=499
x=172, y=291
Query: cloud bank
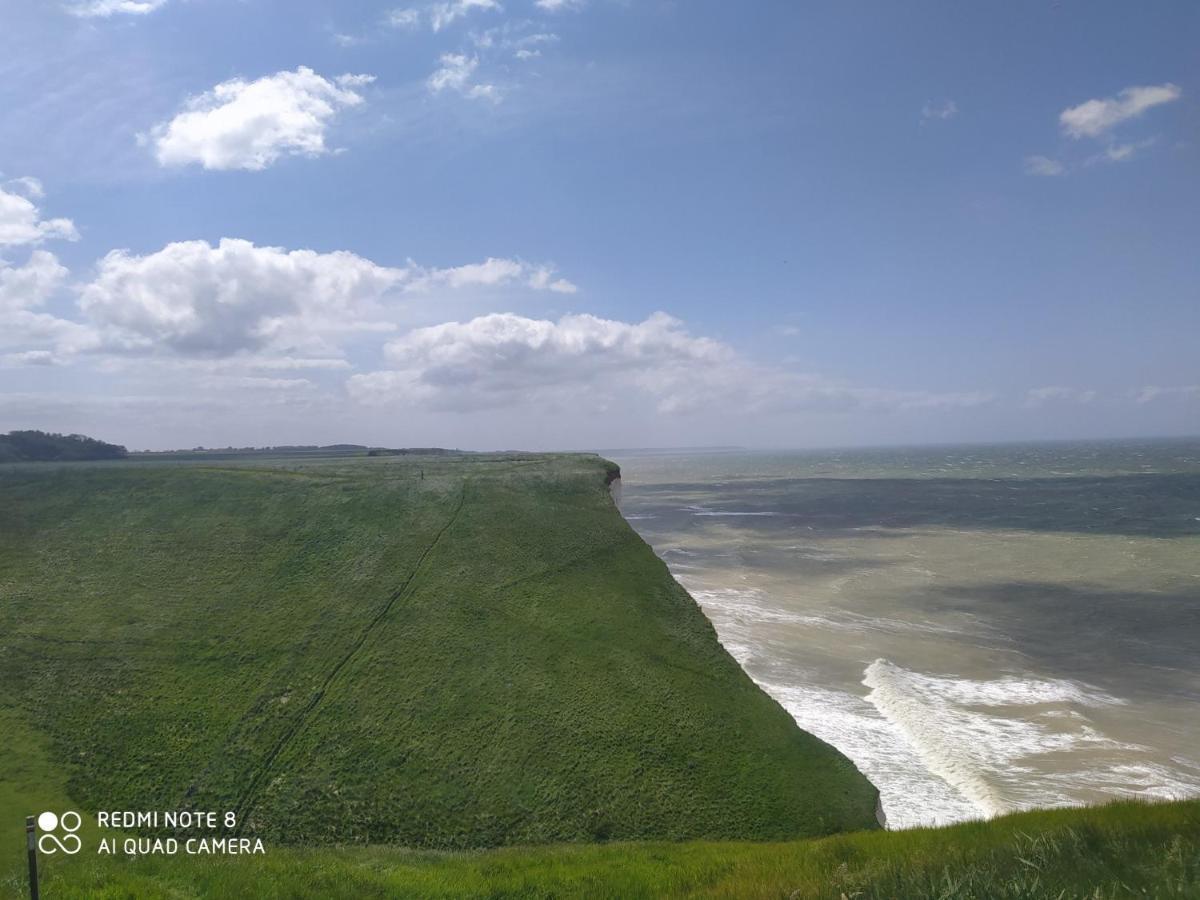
x=505, y=360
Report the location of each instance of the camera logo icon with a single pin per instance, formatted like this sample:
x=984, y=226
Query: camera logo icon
x=58, y=833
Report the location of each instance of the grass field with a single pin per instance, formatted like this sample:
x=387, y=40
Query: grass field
x=448, y=652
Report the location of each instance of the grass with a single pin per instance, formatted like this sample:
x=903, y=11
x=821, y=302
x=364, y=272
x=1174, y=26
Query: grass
x=444, y=653
x=387, y=665
x=1124, y=850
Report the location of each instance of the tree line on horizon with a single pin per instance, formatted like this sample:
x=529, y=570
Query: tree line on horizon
x=43, y=446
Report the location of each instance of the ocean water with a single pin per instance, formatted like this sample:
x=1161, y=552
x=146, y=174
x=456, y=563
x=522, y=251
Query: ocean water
x=981, y=629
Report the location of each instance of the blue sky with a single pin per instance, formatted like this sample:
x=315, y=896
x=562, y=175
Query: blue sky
x=503, y=223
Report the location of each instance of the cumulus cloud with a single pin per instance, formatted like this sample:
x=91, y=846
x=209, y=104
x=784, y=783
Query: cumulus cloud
x=1096, y=117
x=21, y=219
x=30, y=285
x=504, y=359
x=251, y=124
x=947, y=109
x=1058, y=394
x=23, y=291
x=105, y=8
x=456, y=73
x=558, y=5
x=195, y=299
x=495, y=359
x=287, y=309
x=1043, y=165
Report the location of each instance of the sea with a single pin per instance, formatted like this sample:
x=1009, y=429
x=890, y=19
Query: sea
x=981, y=629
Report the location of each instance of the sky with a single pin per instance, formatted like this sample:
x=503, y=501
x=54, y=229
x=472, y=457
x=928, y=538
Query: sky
x=570, y=224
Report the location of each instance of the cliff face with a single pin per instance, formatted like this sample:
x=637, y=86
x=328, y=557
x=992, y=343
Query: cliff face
x=423, y=651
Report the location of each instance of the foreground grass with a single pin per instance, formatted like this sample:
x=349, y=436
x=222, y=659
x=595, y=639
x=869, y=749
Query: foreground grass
x=440, y=652
x=1124, y=850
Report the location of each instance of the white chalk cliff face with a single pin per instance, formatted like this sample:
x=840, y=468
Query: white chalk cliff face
x=616, y=490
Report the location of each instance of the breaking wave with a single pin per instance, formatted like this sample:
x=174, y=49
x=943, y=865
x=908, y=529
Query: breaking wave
x=979, y=737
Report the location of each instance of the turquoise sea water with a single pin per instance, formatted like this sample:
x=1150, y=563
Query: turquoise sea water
x=982, y=629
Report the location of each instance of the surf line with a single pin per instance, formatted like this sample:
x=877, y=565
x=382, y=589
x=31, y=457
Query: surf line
x=897, y=701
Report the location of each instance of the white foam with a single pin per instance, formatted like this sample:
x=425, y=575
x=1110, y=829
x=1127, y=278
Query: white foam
x=715, y=513
x=983, y=738
x=709, y=511
x=750, y=605
x=910, y=793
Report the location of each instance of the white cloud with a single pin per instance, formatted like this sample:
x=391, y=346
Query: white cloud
x=30, y=285
x=404, y=18
x=529, y=40
x=105, y=8
x=191, y=298
x=1154, y=392
x=509, y=37
x=456, y=74
x=1043, y=165
x=542, y=279
x=492, y=272
x=23, y=291
x=1096, y=117
x=28, y=358
x=504, y=360
x=267, y=306
x=444, y=14
x=947, y=109
x=1057, y=394
x=558, y=5
x=28, y=185
x=291, y=362
x=254, y=382
x=251, y=124
x=21, y=220
x=495, y=359
x=1120, y=152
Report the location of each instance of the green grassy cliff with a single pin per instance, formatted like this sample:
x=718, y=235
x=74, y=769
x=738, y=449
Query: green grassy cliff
x=450, y=652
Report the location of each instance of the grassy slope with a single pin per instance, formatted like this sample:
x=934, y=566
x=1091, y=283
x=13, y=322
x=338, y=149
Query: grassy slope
x=1120, y=851
x=443, y=653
